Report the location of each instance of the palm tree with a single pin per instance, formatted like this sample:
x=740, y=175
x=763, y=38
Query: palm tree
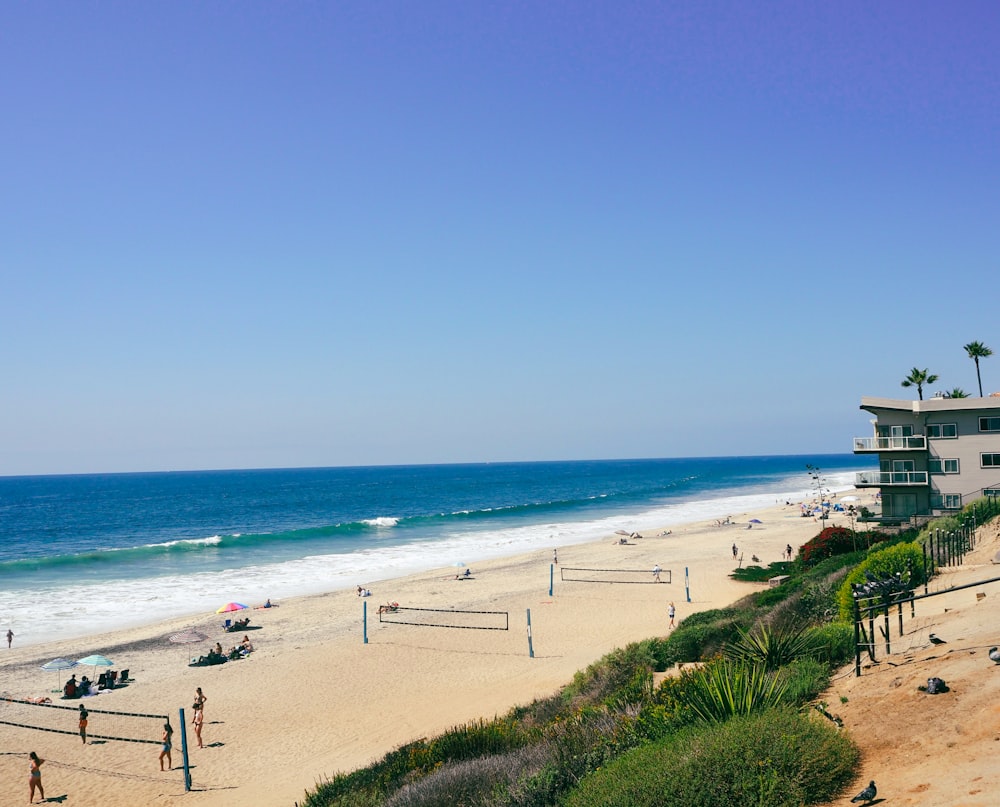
x=958, y=392
x=917, y=378
x=977, y=351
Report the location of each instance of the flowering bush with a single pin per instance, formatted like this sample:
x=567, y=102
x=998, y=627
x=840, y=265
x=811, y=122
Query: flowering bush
x=831, y=541
x=838, y=541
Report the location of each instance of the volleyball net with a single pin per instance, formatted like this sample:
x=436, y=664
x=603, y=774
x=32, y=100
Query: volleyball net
x=445, y=618
x=572, y=575
x=102, y=724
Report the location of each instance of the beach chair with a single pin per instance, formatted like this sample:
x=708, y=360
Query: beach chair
x=227, y=624
x=124, y=676
x=102, y=681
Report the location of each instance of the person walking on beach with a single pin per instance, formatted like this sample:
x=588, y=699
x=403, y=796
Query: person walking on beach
x=735, y=551
x=84, y=714
x=788, y=551
x=555, y=556
x=197, y=721
x=671, y=612
x=168, y=734
x=656, y=573
x=10, y=637
x=35, y=778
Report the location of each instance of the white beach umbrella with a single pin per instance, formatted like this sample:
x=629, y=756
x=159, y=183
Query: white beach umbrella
x=58, y=665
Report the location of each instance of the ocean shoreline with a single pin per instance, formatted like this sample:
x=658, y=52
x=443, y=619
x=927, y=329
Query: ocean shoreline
x=314, y=683
x=89, y=610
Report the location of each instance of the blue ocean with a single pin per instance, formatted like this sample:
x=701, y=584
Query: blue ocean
x=83, y=554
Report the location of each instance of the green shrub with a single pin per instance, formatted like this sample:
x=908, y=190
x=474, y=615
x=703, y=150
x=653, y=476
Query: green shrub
x=770, y=597
x=769, y=647
x=723, y=689
x=803, y=680
x=904, y=558
x=625, y=674
x=761, y=574
x=474, y=782
x=701, y=635
x=833, y=643
x=814, y=602
x=777, y=758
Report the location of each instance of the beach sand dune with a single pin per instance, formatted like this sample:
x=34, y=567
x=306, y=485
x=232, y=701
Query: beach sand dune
x=313, y=699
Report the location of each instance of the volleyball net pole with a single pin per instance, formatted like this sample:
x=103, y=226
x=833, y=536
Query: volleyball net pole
x=184, y=753
x=687, y=587
x=531, y=650
x=364, y=619
x=552, y=576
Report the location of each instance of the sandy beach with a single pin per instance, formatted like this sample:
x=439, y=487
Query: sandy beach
x=314, y=699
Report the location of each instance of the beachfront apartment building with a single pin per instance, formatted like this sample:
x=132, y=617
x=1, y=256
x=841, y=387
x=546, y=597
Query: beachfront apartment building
x=934, y=456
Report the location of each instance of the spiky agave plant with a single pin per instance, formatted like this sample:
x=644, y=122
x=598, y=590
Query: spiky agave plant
x=723, y=689
x=771, y=648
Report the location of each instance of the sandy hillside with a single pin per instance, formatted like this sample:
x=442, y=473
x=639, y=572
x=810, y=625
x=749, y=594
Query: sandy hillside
x=933, y=749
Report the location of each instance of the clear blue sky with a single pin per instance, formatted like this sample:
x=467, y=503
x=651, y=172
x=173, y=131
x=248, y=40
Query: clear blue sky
x=305, y=234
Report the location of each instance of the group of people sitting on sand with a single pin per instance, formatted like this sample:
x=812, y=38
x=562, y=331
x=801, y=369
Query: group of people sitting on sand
x=79, y=689
x=241, y=650
x=216, y=655
x=388, y=608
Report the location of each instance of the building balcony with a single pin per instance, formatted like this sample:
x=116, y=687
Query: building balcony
x=865, y=445
x=880, y=479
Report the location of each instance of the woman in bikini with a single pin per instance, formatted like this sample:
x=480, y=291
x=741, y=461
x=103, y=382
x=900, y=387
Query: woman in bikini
x=197, y=721
x=168, y=734
x=35, y=778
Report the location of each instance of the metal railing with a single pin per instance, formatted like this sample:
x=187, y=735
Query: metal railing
x=916, y=442
x=886, y=478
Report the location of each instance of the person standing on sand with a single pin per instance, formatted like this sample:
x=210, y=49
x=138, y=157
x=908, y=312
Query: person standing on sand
x=656, y=573
x=671, y=612
x=168, y=734
x=35, y=778
x=84, y=714
x=735, y=551
x=10, y=637
x=199, y=699
x=197, y=721
x=555, y=556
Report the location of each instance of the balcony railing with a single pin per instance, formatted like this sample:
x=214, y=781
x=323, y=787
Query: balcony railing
x=916, y=442
x=884, y=478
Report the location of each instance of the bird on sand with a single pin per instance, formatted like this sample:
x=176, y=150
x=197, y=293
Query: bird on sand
x=867, y=795
x=935, y=640
x=995, y=655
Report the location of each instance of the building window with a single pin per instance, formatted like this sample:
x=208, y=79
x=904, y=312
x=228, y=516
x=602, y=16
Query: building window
x=949, y=501
x=989, y=424
x=990, y=460
x=994, y=492
x=941, y=431
x=936, y=465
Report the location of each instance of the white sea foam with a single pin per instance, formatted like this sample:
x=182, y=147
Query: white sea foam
x=212, y=540
x=90, y=608
x=383, y=521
